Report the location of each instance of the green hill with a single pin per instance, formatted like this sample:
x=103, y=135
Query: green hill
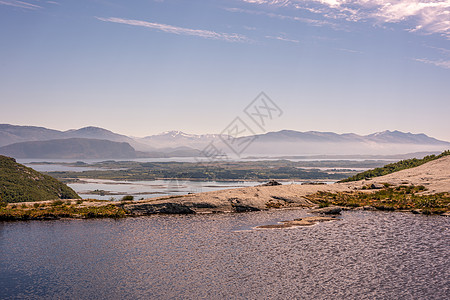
x=19, y=183
x=395, y=167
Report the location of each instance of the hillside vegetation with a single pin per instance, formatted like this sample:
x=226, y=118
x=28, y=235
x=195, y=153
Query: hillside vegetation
x=22, y=184
x=395, y=167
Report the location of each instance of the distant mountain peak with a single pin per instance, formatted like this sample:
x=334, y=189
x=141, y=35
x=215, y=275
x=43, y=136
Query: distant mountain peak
x=173, y=133
x=180, y=134
x=91, y=129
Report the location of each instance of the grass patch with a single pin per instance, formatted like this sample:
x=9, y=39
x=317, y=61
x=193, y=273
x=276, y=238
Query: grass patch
x=399, y=198
x=272, y=204
x=324, y=204
x=60, y=211
x=57, y=203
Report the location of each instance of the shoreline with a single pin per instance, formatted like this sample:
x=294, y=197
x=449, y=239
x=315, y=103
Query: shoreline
x=421, y=190
x=319, y=199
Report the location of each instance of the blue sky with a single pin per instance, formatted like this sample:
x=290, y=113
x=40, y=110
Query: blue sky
x=143, y=67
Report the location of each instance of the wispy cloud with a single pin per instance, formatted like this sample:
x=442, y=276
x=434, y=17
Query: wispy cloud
x=443, y=62
x=207, y=34
x=439, y=63
x=313, y=22
x=280, y=38
x=349, y=50
x=442, y=50
x=424, y=15
x=20, y=4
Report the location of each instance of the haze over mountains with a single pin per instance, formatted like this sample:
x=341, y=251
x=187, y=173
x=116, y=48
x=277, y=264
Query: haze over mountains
x=289, y=142
x=94, y=142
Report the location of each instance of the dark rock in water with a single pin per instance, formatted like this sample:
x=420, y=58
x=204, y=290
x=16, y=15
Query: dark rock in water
x=368, y=207
x=332, y=210
x=244, y=208
x=142, y=209
x=384, y=207
x=271, y=183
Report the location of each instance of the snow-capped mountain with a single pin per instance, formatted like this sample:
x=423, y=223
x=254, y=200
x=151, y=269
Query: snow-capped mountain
x=178, y=139
x=284, y=142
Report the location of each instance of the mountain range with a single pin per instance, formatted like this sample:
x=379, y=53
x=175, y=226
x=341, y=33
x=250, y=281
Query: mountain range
x=94, y=142
x=289, y=142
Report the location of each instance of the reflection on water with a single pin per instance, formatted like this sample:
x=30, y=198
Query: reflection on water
x=365, y=255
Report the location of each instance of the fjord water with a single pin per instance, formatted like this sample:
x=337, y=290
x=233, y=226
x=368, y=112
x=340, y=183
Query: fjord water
x=365, y=255
x=150, y=188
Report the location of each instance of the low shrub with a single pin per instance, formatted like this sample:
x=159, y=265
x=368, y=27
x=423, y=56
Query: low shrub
x=57, y=203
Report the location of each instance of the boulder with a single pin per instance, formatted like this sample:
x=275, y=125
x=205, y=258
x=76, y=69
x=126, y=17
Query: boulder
x=244, y=208
x=331, y=210
x=376, y=186
x=142, y=209
x=271, y=183
x=368, y=207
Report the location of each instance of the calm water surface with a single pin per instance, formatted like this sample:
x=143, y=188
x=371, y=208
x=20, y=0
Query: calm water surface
x=365, y=255
x=154, y=188
x=150, y=188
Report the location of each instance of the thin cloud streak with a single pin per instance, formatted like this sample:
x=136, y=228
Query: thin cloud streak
x=438, y=63
x=20, y=4
x=349, y=50
x=426, y=16
x=309, y=21
x=280, y=38
x=207, y=34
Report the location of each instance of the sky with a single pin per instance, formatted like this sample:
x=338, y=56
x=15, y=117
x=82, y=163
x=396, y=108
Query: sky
x=146, y=66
